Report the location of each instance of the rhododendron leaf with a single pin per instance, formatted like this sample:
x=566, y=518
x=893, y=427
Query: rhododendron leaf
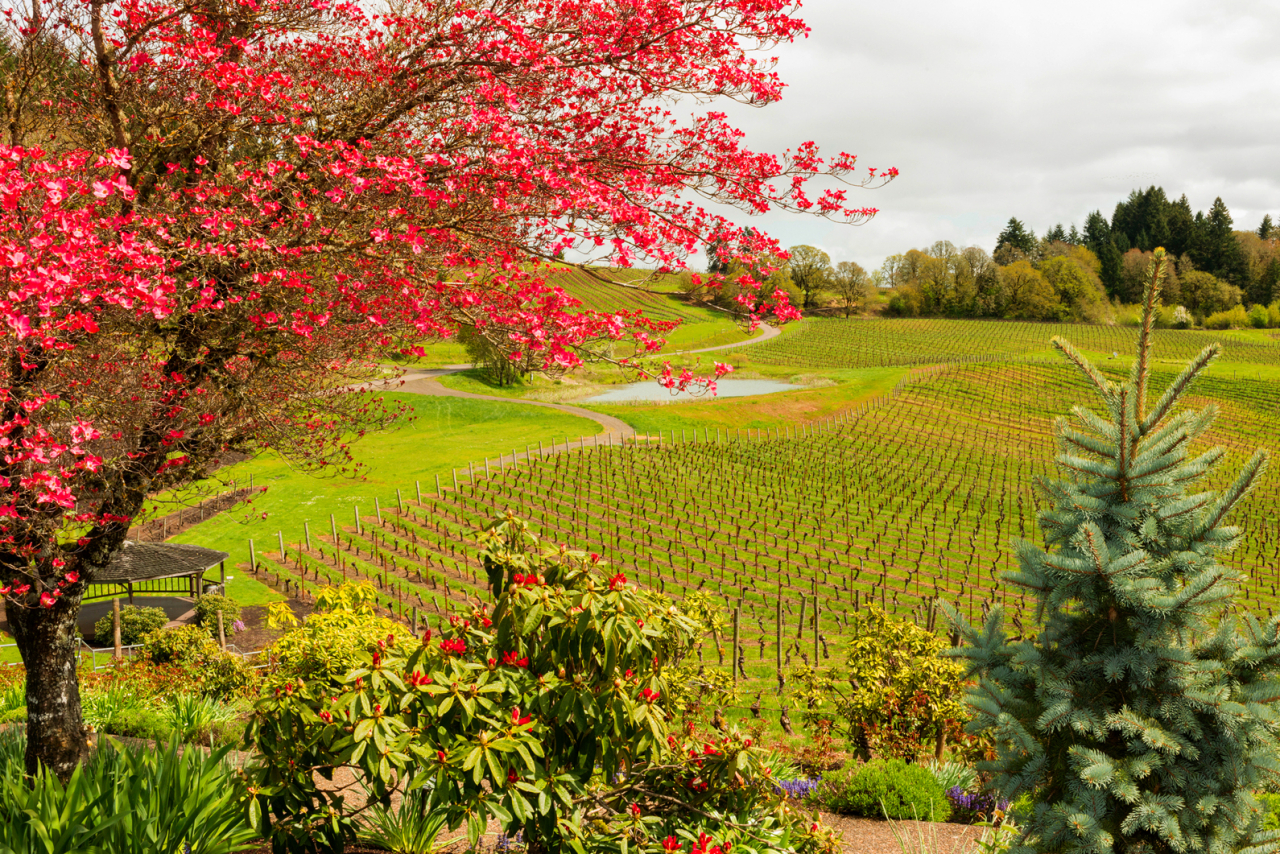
x=495, y=770
x=363, y=729
x=531, y=620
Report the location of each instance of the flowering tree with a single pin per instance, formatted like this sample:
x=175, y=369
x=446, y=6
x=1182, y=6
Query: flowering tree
x=212, y=212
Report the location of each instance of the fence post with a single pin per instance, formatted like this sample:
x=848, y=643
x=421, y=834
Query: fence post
x=399, y=502
x=358, y=531
x=377, y=509
x=280, y=537
x=778, y=626
x=733, y=653
x=455, y=480
x=417, y=484
x=815, y=630
x=333, y=529
x=306, y=534
x=253, y=559
x=115, y=628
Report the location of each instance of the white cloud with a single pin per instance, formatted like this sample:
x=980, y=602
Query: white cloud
x=1041, y=111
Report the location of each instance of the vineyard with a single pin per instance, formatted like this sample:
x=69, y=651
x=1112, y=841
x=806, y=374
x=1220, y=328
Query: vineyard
x=834, y=343
x=599, y=296
x=906, y=499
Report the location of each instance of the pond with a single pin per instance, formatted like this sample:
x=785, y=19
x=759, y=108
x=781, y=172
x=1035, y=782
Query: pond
x=724, y=388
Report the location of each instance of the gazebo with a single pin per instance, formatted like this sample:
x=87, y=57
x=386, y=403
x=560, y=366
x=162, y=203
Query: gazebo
x=156, y=569
x=171, y=575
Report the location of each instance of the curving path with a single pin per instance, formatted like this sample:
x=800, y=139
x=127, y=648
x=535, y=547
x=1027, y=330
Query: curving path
x=427, y=382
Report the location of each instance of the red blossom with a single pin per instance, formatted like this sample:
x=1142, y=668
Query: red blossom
x=456, y=646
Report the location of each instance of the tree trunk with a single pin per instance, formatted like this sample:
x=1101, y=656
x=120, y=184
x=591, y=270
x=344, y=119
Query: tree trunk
x=46, y=637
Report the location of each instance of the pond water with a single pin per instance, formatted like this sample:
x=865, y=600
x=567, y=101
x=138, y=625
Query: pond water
x=724, y=388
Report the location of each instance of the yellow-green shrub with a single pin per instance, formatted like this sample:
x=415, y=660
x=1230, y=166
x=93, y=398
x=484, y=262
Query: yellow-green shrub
x=341, y=631
x=896, y=695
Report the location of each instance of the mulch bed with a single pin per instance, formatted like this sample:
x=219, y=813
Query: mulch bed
x=256, y=634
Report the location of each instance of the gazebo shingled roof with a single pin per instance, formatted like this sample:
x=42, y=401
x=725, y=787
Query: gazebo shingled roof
x=137, y=562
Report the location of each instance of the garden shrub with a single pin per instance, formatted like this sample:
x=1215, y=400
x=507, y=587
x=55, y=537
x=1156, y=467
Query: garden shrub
x=896, y=695
x=1233, y=318
x=135, y=621
x=139, y=722
x=207, y=609
x=884, y=788
x=343, y=629
x=209, y=668
x=546, y=715
x=1258, y=317
x=1270, y=804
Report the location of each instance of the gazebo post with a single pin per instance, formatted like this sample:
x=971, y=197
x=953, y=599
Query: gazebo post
x=129, y=587
x=222, y=575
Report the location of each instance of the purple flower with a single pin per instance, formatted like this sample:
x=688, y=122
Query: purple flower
x=237, y=627
x=798, y=789
x=973, y=806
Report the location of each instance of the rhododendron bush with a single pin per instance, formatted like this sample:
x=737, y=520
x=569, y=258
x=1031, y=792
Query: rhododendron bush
x=545, y=714
x=212, y=214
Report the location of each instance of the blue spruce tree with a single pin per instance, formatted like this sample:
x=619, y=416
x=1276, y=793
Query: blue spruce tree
x=1143, y=715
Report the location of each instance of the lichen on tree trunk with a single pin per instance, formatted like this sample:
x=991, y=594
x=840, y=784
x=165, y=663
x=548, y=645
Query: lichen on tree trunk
x=46, y=637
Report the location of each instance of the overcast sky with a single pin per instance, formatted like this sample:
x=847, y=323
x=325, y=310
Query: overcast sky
x=1043, y=111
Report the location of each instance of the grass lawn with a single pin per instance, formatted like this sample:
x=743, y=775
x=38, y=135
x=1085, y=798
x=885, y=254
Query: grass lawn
x=444, y=433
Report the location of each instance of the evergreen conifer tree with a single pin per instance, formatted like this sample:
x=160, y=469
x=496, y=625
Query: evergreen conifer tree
x=1143, y=714
x=1267, y=229
x=1017, y=235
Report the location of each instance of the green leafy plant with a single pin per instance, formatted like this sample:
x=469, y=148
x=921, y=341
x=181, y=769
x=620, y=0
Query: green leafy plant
x=135, y=622
x=122, y=801
x=546, y=715
x=884, y=787
x=343, y=630
x=13, y=703
x=194, y=717
x=102, y=706
x=212, y=670
x=1270, y=804
x=411, y=828
x=896, y=695
x=950, y=774
x=207, y=608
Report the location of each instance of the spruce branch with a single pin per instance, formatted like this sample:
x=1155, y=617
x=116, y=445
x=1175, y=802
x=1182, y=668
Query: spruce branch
x=1180, y=385
x=1104, y=387
x=1150, y=302
x=1243, y=485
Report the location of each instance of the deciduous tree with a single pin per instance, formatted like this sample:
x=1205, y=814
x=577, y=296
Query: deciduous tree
x=810, y=270
x=852, y=286
x=210, y=210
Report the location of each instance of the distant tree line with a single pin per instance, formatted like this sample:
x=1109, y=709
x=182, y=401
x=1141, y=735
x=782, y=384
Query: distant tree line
x=1073, y=274
x=1200, y=241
